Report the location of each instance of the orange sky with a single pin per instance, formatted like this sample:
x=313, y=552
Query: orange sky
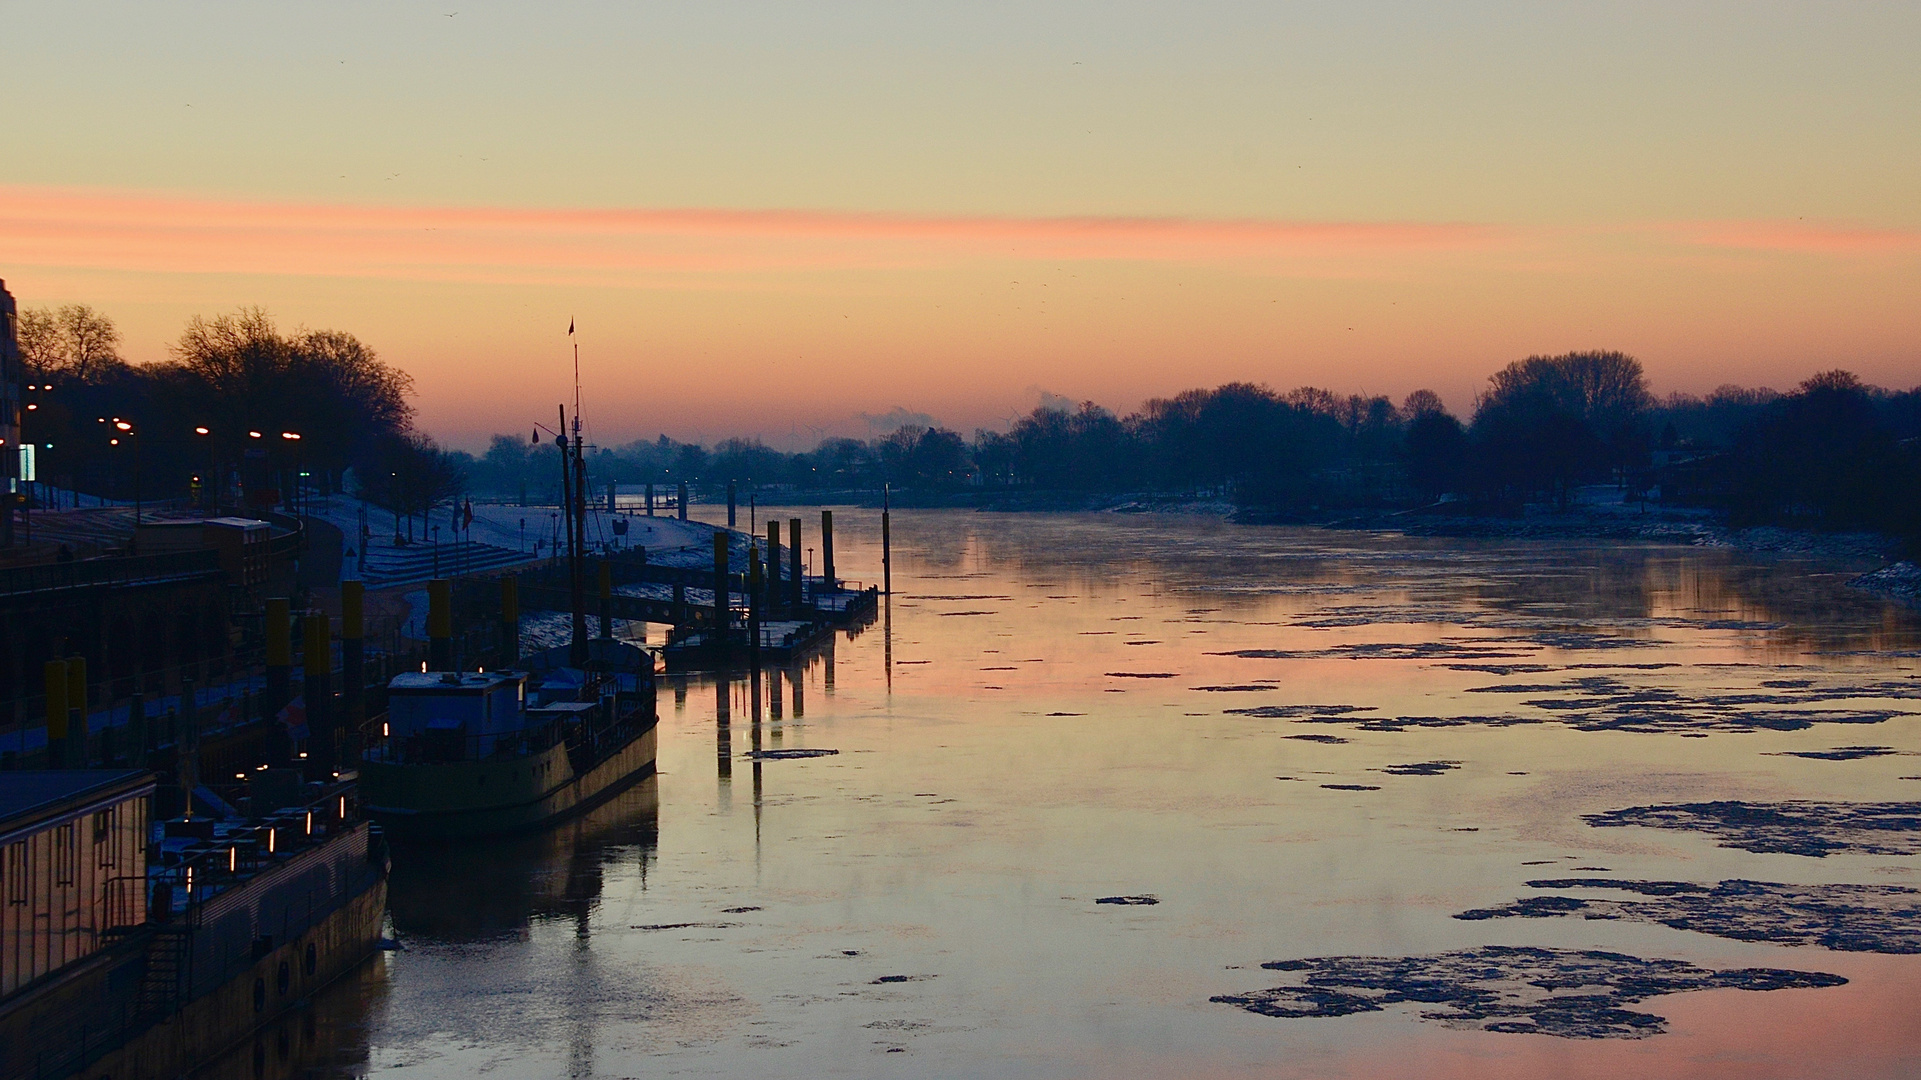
x=775, y=223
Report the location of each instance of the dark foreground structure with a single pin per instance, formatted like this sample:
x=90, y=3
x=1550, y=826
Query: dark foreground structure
x=132, y=951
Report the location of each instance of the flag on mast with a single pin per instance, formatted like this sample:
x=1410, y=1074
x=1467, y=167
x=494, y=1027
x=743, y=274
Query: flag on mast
x=570, y=326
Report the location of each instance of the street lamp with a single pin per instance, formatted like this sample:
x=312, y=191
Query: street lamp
x=294, y=502
x=126, y=429
x=213, y=470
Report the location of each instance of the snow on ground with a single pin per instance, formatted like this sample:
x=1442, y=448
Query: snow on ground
x=668, y=540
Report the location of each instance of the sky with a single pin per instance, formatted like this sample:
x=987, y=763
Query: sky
x=791, y=220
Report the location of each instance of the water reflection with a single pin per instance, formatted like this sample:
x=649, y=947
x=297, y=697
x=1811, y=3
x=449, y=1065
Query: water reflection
x=479, y=889
x=1300, y=744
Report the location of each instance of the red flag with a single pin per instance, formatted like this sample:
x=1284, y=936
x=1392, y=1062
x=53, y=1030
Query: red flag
x=469, y=522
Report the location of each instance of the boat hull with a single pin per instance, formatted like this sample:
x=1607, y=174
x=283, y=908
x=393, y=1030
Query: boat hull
x=479, y=798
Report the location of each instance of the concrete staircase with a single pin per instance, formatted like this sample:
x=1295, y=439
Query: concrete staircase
x=405, y=565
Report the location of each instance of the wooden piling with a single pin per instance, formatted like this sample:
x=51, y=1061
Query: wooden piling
x=794, y=595
x=440, y=625
x=353, y=653
x=55, y=673
x=317, y=689
x=720, y=589
x=510, y=618
x=774, y=600
x=730, y=504
x=827, y=579
x=77, y=727
x=279, y=635
x=650, y=500
x=683, y=500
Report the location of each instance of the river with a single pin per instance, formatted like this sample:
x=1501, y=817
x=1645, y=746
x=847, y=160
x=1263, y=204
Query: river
x=1093, y=771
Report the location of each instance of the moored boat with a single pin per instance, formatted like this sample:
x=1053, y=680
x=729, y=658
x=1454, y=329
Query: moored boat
x=473, y=753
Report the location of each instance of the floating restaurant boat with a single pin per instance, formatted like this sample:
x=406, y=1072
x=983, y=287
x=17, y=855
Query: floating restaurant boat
x=136, y=950
x=467, y=753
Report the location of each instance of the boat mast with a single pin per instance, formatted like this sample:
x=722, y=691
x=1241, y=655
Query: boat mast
x=577, y=523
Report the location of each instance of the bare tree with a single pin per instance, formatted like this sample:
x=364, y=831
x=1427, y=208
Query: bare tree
x=72, y=342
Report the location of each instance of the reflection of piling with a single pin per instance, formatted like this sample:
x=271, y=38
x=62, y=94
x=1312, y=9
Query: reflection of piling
x=440, y=625
x=730, y=504
x=723, y=726
x=683, y=500
x=753, y=619
x=55, y=673
x=720, y=588
x=353, y=653
x=827, y=665
x=827, y=579
x=606, y=600
x=279, y=656
x=774, y=710
x=509, y=618
x=797, y=675
x=793, y=561
x=886, y=556
x=317, y=688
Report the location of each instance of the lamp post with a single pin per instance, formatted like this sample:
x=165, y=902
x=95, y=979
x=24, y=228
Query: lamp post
x=212, y=486
x=125, y=428
x=294, y=503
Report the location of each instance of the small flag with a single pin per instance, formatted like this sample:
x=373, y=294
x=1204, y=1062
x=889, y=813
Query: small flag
x=570, y=326
x=468, y=521
x=294, y=716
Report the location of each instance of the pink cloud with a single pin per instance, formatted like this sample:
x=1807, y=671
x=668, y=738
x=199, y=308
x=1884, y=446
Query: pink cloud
x=162, y=233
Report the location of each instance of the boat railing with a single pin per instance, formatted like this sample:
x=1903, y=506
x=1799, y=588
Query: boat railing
x=215, y=859
x=446, y=747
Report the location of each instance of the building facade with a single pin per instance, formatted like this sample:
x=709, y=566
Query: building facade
x=73, y=854
x=11, y=377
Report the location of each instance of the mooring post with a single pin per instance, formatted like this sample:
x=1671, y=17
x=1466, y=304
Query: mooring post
x=683, y=500
x=773, y=565
x=137, y=730
x=650, y=499
x=279, y=633
x=730, y=504
x=353, y=653
x=186, y=743
x=55, y=673
x=827, y=579
x=793, y=561
x=753, y=618
x=610, y=497
x=440, y=625
x=510, y=618
x=77, y=727
x=720, y=589
x=317, y=688
x=886, y=552
x=606, y=600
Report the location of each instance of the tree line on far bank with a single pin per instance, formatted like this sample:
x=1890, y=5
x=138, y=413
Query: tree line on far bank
x=240, y=404
x=1830, y=453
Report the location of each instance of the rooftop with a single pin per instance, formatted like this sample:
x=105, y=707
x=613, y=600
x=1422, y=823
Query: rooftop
x=28, y=793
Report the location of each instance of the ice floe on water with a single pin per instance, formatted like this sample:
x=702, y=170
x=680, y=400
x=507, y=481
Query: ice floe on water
x=1844, y=918
x=1568, y=993
x=1814, y=829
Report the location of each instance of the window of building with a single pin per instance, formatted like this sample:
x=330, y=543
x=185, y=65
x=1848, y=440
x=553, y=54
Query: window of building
x=19, y=869
x=63, y=854
x=103, y=846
